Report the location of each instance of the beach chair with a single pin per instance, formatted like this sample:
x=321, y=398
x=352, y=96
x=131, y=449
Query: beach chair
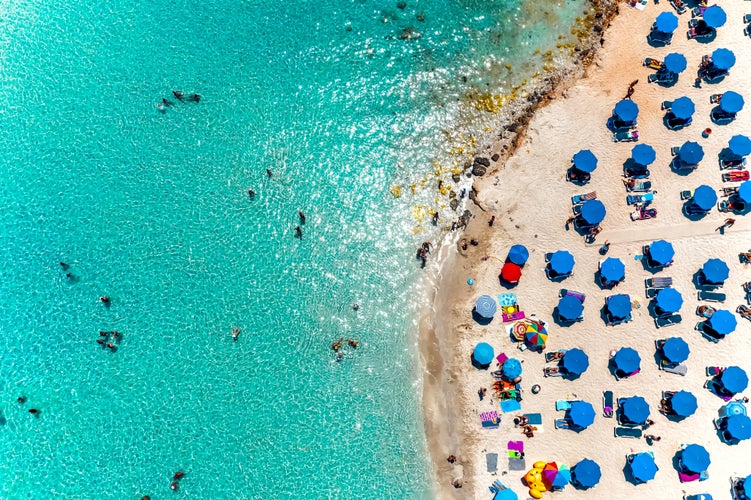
x=698, y=11
x=711, y=296
x=732, y=163
x=637, y=186
x=679, y=6
x=713, y=371
x=659, y=282
x=563, y=405
x=552, y=356
x=651, y=293
x=662, y=76
x=628, y=432
x=581, y=198
x=633, y=199
x=607, y=404
x=746, y=18
x=562, y=423
x=644, y=214
x=636, y=172
x=705, y=311
x=676, y=369
x=744, y=312
x=666, y=105
x=745, y=257
x=736, y=176
x=552, y=371
x=653, y=63
x=573, y=293
x=626, y=136
x=663, y=321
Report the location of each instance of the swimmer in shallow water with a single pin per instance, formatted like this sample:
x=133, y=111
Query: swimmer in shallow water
x=235, y=335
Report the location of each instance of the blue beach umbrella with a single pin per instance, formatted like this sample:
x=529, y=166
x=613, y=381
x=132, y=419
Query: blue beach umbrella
x=635, y=409
x=626, y=110
x=675, y=62
x=661, y=252
x=575, y=361
x=695, y=458
x=518, y=254
x=643, y=467
x=669, y=300
x=562, y=262
x=744, y=191
x=723, y=322
x=739, y=427
x=586, y=473
x=483, y=353
x=666, y=22
x=740, y=145
x=585, y=160
x=731, y=102
x=612, y=269
x=627, y=360
x=675, y=350
x=512, y=368
x=486, y=306
x=715, y=16
x=734, y=379
x=715, y=271
x=570, y=308
x=723, y=59
x=506, y=494
x=691, y=153
x=581, y=414
x=643, y=154
x=593, y=211
x=683, y=404
x=704, y=197
x=683, y=108
x=619, y=306
x=733, y=408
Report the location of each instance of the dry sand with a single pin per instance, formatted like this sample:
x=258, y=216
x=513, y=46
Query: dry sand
x=531, y=201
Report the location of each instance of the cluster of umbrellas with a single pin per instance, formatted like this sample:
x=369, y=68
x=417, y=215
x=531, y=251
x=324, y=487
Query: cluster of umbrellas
x=512, y=268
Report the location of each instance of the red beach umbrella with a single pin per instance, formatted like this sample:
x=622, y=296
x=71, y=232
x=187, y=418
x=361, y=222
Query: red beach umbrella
x=511, y=272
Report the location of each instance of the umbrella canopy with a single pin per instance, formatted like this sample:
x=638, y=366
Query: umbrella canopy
x=691, y=153
x=483, y=353
x=715, y=16
x=585, y=160
x=581, y=414
x=695, y=458
x=627, y=360
x=661, y=252
x=744, y=191
x=733, y=408
x=518, y=254
x=683, y=404
x=704, y=197
x=575, y=361
x=619, y=306
x=626, y=110
x=635, y=409
x=669, y=300
x=740, y=145
x=675, y=350
x=570, y=307
x=643, y=467
x=486, y=306
x=505, y=494
x=666, y=22
x=512, y=368
x=739, y=427
x=715, y=271
x=723, y=59
x=723, y=322
x=734, y=379
x=593, y=211
x=643, y=154
x=683, y=108
x=586, y=473
x=675, y=62
x=612, y=269
x=562, y=262
x=511, y=272
x=556, y=476
x=535, y=337
x=731, y=102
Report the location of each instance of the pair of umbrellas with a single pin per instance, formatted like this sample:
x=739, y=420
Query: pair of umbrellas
x=694, y=459
x=627, y=360
x=669, y=300
x=661, y=252
x=618, y=306
x=704, y=197
x=683, y=404
x=675, y=350
x=643, y=467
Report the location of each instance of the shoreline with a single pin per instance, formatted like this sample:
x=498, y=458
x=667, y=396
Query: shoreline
x=537, y=146
x=437, y=346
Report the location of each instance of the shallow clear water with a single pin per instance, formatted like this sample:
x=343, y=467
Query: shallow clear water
x=151, y=209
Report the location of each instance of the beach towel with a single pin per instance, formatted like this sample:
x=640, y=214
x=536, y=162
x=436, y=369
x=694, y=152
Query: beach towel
x=687, y=478
x=515, y=449
x=534, y=418
x=490, y=419
x=492, y=461
x=501, y=358
x=510, y=405
x=517, y=464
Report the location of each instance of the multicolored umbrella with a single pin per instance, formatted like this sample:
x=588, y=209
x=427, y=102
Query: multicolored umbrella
x=536, y=338
x=556, y=476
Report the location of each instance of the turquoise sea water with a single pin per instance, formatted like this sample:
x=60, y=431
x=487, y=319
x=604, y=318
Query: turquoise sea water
x=151, y=209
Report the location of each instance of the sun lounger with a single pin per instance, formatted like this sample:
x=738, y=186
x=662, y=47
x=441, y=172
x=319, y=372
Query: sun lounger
x=698, y=11
x=663, y=321
x=744, y=312
x=709, y=334
x=711, y=296
x=633, y=199
x=746, y=18
x=651, y=292
x=534, y=418
x=637, y=172
x=679, y=6
x=562, y=423
x=663, y=76
x=552, y=371
x=626, y=136
x=635, y=186
x=659, y=282
x=628, y=432
x=677, y=369
x=573, y=293
x=644, y=214
x=551, y=356
x=562, y=405
x=745, y=257
x=687, y=478
x=713, y=371
x=581, y=198
x=736, y=176
x=607, y=404
x=732, y=163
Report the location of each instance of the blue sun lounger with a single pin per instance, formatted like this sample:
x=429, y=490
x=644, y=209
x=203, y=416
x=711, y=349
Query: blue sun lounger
x=628, y=432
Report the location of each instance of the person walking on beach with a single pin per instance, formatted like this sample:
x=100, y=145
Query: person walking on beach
x=631, y=89
x=491, y=221
x=727, y=224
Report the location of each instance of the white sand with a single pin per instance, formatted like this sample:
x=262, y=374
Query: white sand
x=531, y=200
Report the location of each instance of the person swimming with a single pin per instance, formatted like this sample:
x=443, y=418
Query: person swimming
x=302, y=217
x=235, y=335
x=251, y=194
x=178, y=95
x=104, y=300
x=194, y=98
x=298, y=232
x=178, y=475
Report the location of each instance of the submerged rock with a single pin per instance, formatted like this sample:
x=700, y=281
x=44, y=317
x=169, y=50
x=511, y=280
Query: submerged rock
x=409, y=33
